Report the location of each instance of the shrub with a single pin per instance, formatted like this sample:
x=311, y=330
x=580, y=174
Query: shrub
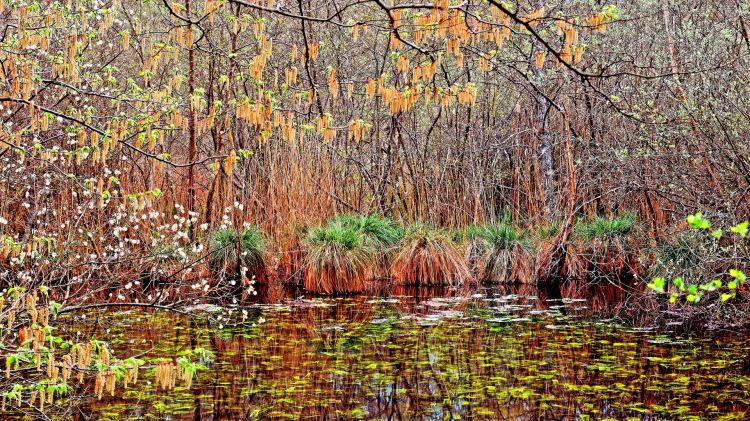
x=688, y=255
x=428, y=257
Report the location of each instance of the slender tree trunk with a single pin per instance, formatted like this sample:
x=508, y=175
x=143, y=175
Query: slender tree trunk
x=544, y=138
x=191, y=124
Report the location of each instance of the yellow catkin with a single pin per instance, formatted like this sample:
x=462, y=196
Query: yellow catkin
x=99, y=385
x=539, y=59
x=50, y=364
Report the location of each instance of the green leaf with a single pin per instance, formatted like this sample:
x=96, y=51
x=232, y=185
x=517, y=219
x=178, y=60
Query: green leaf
x=657, y=284
x=738, y=275
x=696, y=221
x=741, y=229
x=679, y=283
x=725, y=297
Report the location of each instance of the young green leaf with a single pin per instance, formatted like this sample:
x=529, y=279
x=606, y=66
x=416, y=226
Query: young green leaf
x=657, y=284
x=741, y=229
x=696, y=221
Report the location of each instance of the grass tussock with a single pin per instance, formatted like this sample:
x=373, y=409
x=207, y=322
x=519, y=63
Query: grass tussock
x=602, y=248
x=336, y=261
x=238, y=254
x=379, y=236
x=428, y=257
x=509, y=259
x=605, y=228
x=376, y=233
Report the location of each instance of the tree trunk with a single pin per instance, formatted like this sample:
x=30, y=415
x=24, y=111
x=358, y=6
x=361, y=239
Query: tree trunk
x=544, y=138
x=191, y=126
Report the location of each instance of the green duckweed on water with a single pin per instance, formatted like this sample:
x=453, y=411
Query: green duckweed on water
x=492, y=355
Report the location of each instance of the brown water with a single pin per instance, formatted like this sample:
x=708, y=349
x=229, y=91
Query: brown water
x=487, y=355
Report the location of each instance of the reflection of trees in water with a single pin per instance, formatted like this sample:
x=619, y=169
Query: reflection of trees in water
x=337, y=359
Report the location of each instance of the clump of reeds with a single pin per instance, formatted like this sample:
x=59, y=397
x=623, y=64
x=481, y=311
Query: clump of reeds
x=602, y=247
x=476, y=248
x=509, y=259
x=379, y=236
x=336, y=261
x=428, y=257
x=238, y=254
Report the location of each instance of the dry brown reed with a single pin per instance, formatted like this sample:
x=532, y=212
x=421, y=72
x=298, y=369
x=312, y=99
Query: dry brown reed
x=428, y=257
x=508, y=265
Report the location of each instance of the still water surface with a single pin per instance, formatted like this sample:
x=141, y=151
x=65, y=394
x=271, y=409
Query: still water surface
x=483, y=355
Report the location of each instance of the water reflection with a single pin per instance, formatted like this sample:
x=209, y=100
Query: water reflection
x=509, y=353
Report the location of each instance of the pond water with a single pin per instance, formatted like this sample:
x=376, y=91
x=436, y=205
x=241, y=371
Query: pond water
x=483, y=355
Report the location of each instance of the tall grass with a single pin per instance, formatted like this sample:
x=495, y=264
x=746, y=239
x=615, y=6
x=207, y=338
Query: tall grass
x=380, y=236
x=336, y=261
x=601, y=248
x=509, y=259
x=428, y=257
x=233, y=251
x=605, y=228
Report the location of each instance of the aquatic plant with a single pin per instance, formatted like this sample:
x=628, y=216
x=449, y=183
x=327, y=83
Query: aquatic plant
x=379, y=236
x=238, y=255
x=509, y=259
x=601, y=248
x=336, y=261
x=428, y=257
x=605, y=228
